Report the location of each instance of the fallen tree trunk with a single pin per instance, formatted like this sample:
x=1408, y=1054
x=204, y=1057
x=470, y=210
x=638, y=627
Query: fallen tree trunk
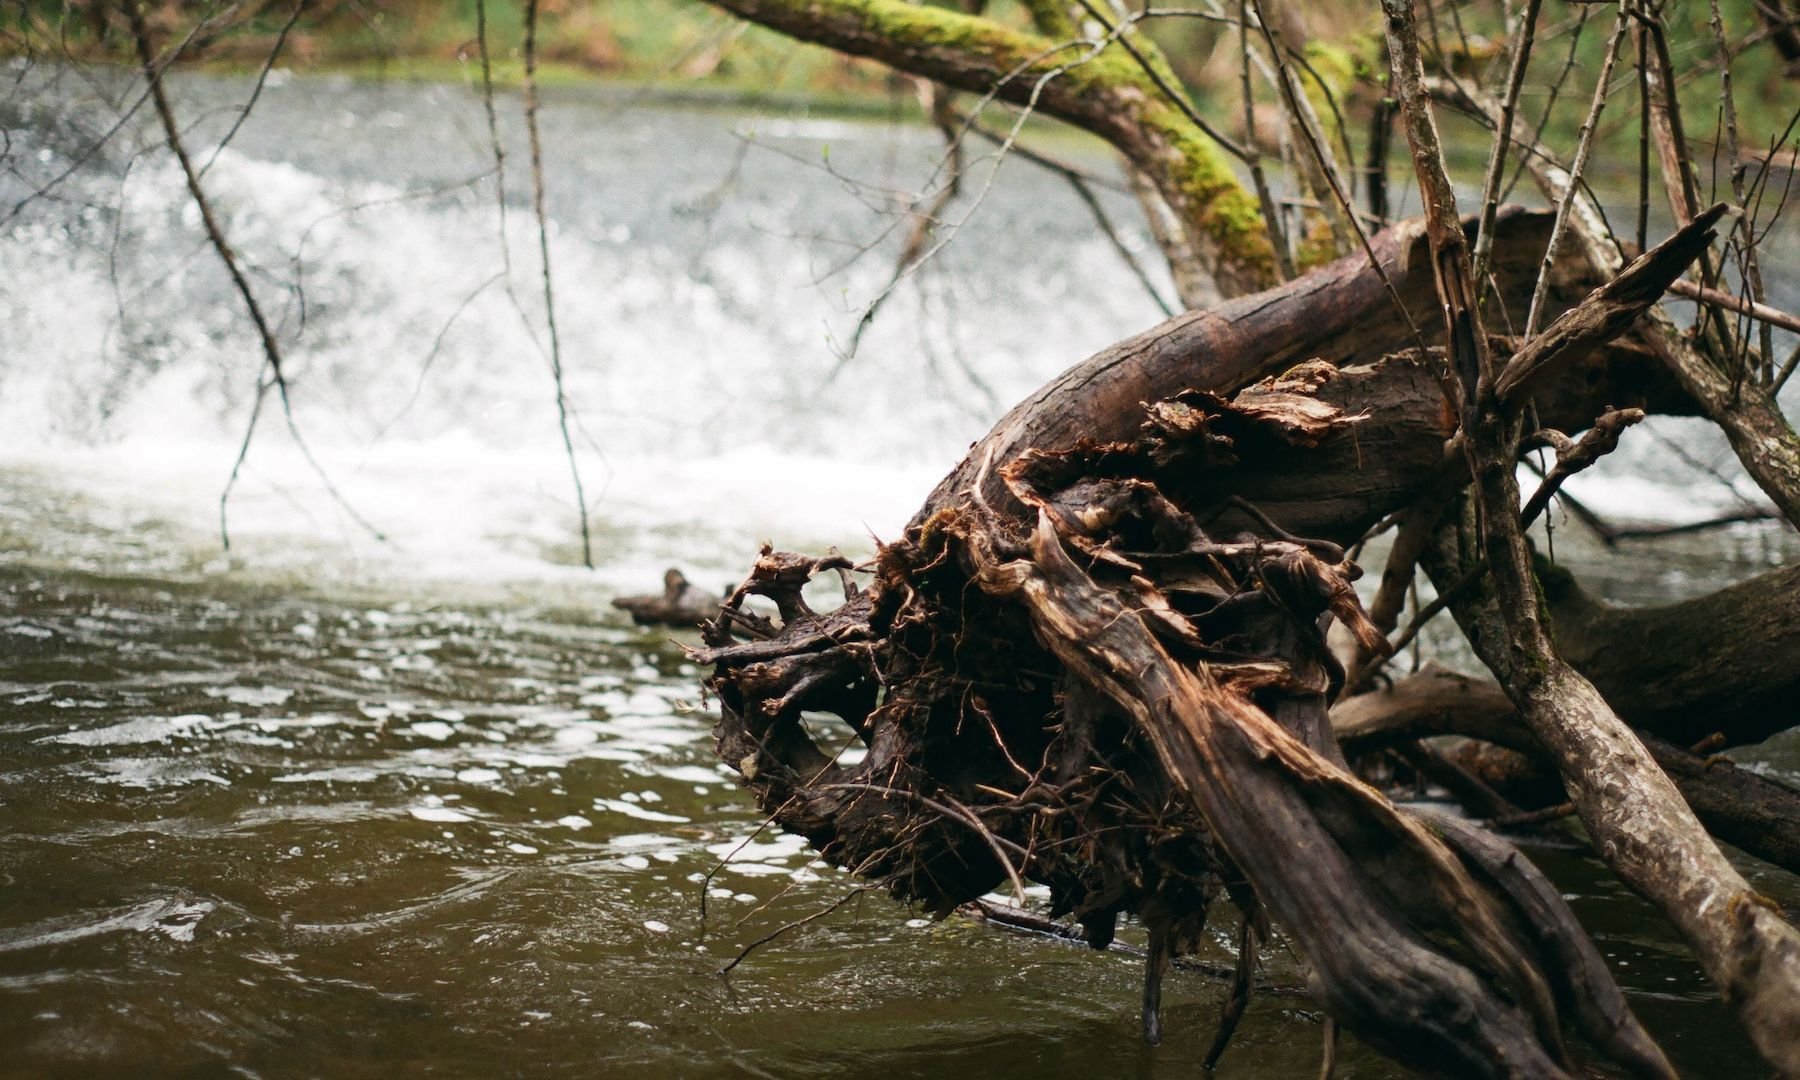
x=1751, y=812
x=1729, y=661
x=1342, y=314
x=1639, y=823
x=1723, y=667
x=1096, y=660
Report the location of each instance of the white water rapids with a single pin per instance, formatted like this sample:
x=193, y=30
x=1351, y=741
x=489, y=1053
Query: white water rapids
x=701, y=320
x=710, y=269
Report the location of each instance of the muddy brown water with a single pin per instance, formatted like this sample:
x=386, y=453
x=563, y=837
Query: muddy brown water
x=243, y=831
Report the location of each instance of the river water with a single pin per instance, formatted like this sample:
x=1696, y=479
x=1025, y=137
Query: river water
x=325, y=804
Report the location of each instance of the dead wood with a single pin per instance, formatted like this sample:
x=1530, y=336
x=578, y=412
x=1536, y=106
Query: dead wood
x=1745, y=410
x=1096, y=660
x=1232, y=775
x=1749, y=811
x=1726, y=663
x=1607, y=312
x=1109, y=676
x=1639, y=823
x=1340, y=314
x=681, y=603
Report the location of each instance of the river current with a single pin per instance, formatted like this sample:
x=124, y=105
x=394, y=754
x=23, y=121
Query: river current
x=327, y=804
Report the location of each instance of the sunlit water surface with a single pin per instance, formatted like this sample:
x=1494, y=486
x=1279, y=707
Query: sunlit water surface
x=327, y=805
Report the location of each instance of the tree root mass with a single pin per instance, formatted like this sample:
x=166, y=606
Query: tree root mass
x=1097, y=661
x=1113, y=698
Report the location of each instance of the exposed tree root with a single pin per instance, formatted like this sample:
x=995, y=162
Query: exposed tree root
x=1117, y=703
x=1096, y=661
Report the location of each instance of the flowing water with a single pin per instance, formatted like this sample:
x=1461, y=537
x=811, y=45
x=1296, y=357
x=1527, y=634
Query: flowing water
x=331, y=805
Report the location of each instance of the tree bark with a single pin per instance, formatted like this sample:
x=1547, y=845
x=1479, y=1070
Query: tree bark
x=1637, y=819
x=1341, y=314
x=1073, y=79
x=1639, y=823
x=1726, y=663
x=1751, y=812
x=1094, y=660
x=918, y=658
x=1760, y=434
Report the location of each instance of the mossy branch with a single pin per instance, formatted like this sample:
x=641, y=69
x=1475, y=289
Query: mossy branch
x=1089, y=83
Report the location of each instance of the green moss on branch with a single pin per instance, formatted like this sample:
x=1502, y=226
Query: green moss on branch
x=1106, y=92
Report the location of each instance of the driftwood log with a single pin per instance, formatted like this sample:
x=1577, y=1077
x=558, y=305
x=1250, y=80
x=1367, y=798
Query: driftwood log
x=1096, y=660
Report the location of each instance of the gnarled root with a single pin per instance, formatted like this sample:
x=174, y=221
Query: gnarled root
x=1106, y=698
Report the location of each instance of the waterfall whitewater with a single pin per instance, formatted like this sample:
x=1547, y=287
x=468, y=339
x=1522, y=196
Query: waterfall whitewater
x=710, y=267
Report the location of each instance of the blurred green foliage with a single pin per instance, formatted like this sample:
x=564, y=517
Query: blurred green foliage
x=689, y=47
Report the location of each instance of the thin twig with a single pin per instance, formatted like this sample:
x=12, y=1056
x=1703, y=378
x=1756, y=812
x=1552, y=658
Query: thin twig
x=493, y=126
x=1284, y=256
x=1337, y=190
x=262, y=78
x=537, y=202
x=1583, y=148
x=744, y=953
x=1761, y=313
x=1490, y=187
x=955, y=812
x=43, y=191
x=1117, y=30
x=1320, y=169
x=925, y=221
x=1643, y=81
x=1555, y=91
x=215, y=234
x=1092, y=50
x=1751, y=267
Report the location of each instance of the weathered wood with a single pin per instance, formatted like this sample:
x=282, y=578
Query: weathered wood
x=1606, y=312
x=1635, y=815
x=1759, y=433
x=1751, y=812
x=1095, y=660
x=1341, y=314
x=1253, y=782
x=1150, y=731
x=681, y=603
x=1638, y=821
x=1726, y=663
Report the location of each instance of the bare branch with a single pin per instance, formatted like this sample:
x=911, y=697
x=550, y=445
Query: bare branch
x=262, y=78
x=1523, y=32
x=537, y=202
x=1584, y=146
x=1116, y=101
x=216, y=236
x=1607, y=312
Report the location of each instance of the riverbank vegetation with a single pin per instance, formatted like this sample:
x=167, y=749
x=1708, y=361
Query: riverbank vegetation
x=692, y=47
